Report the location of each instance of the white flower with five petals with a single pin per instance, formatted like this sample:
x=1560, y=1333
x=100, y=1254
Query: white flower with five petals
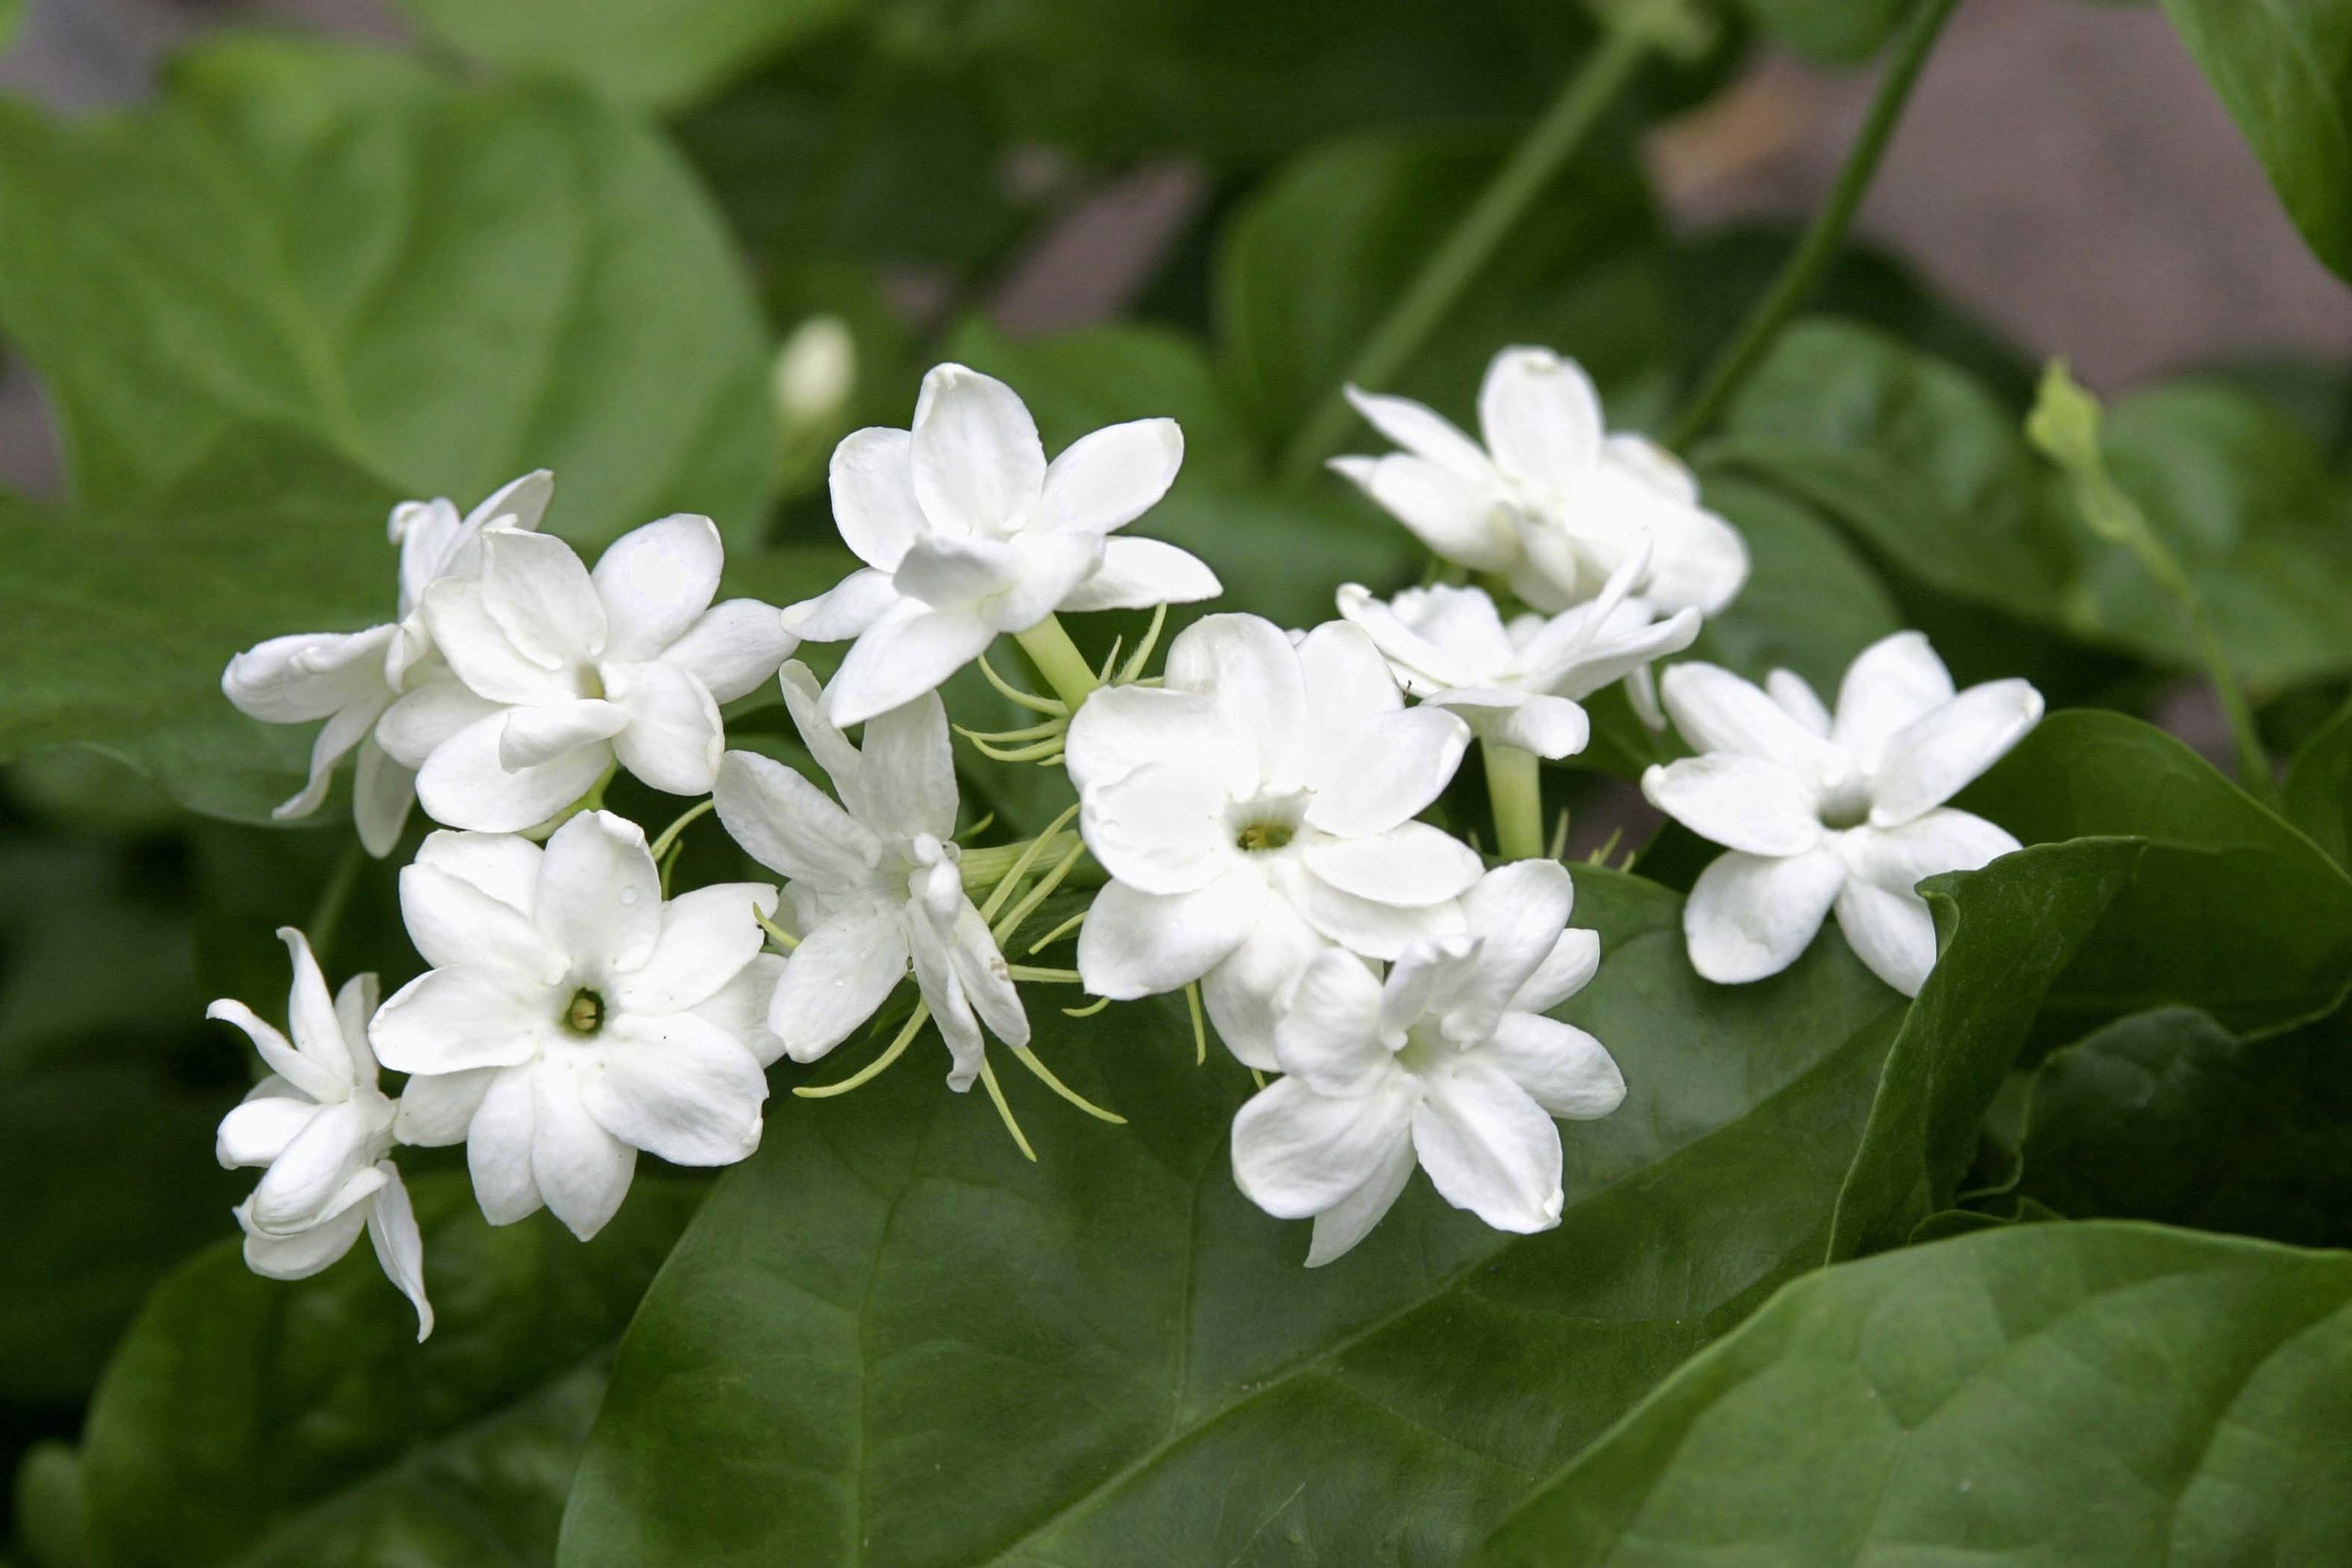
x=1822, y=812
x=967, y=531
x=1522, y=684
x=561, y=672
x=1256, y=810
x=1551, y=501
x=872, y=886
x=574, y=1017
x=1449, y=1064
x=349, y=679
x=324, y=1129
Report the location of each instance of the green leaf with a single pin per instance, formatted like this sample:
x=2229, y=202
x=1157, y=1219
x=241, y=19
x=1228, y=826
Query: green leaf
x=2101, y=1395
x=2007, y=932
x=2285, y=69
x=2317, y=793
x=449, y=285
x=2168, y=1116
x=2231, y=910
x=1811, y=603
x=639, y=55
x=888, y=1340
x=1840, y=32
x=249, y=1422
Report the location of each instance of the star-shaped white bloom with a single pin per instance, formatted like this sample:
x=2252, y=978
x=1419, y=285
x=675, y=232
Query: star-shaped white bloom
x=560, y=672
x=1519, y=684
x=967, y=531
x=324, y=1129
x=873, y=886
x=349, y=679
x=1819, y=812
x=1551, y=501
x=573, y=1017
x=1449, y=1064
x=1255, y=809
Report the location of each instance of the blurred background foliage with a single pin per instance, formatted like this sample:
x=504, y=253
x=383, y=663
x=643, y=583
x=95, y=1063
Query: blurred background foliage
x=302, y=260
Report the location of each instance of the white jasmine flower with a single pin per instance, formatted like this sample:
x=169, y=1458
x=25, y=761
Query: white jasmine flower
x=573, y=1017
x=967, y=531
x=1255, y=809
x=324, y=1129
x=1449, y=1064
x=349, y=679
x=561, y=673
x=1519, y=684
x=1819, y=812
x=1551, y=501
x=873, y=886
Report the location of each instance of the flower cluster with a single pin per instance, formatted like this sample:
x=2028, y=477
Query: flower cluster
x=1253, y=820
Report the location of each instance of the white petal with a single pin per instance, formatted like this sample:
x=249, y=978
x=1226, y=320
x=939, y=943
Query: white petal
x=822, y=736
x=1140, y=944
x=499, y=864
x=400, y=1246
x=303, y=1184
x=1614, y=656
x=942, y=990
x=1375, y=928
x=987, y=980
x=1461, y=520
x=1246, y=991
x=1937, y=755
x=1137, y=574
x=294, y=679
x=304, y=1252
x=1122, y=728
x=838, y=978
x=1388, y=769
x=1423, y=432
x=1541, y=418
x=873, y=505
x=1421, y=973
x=310, y=1014
x=1328, y=1034
x=1750, y=915
x=540, y=594
x=707, y=937
x=1108, y=479
x=450, y=1020
x=600, y=893
x=788, y=825
x=480, y=654
x=733, y=648
x=355, y=1003
x=258, y=1130
x=425, y=717
x=1517, y=912
x=853, y=604
x=1899, y=858
x=740, y=1006
x=1893, y=933
x=909, y=768
x=1742, y=802
x=1340, y=1227
x=1251, y=677
x=945, y=571
x=674, y=736
x=1160, y=828
x=1298, y=1152
x=436, y=1109
x=1718, y=712
x=1698, y=561
x=1570, y=965
x=382, y=791
x=1416, y=656
x=463, y=783
x=979, y=466
x=581, y=1170
x=1410, y=865
x=654, y=582
x=908, y=650
x=1797, y=697
x=498, y=1144
x=1348, y=682
x=336, y=738
x=454, y=924
x=677, y=1087
x=1890, y=683
x=1050, y=566
x=531, y=736
x=1551, y=726
x=1488, y=1147
x=299, y=1071
x=1564, y=1069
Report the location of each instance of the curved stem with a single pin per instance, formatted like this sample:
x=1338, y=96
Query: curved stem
x=660, y=846
x=1549, y=143
x=1515, y=787
x=333, y=900
x=1057, y=658
x=1826, y=234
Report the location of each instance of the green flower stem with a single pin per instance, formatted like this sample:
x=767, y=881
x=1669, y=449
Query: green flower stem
x=1826, y=234
x=1625, y=44
x=333, y=900
x=1057, y=658
x=1515, y=786
x=990, y=868
x=660, y=846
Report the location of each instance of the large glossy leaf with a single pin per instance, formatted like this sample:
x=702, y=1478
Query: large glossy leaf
x=643, y=56
x=2284, y=67
x=250, y=1422
x=889, y=1341
x=451, y=285
x=2317, y=793
x=2103, y=1396
x=2168, y=1116
x=2006, y=932
x=2230, y=910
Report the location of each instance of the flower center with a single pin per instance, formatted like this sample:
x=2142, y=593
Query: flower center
x=584, y=1013
x=1846, y=801
x=1259, y=837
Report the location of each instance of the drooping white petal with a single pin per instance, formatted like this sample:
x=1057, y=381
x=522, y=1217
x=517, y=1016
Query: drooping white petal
x=1742, y=802
x=1937, y=755
x=1423, y=432
x=1328, y=1034
x=1388, y=770
x=600, y=893
x=303, y=1253
x=1488, y=1147
x=1140, y=944
x=837, y=979
x=850, y=606
x=707, y=935
x=740, y=1006
x=1750, y=915
x=910, y=650
x=537, y=591
x=788, y=825
x=498, y=1147
x=1892, y=932
x=1410, y=865
x=1160, y=828
x=654, y=582
x=314, y=1171
x=1895, y=680
x=258, y=1130
x=1106, y=480
x=298, y=1070
x=1564, y=1069
x=987, y=982
x=909, y=768
x=1718, y=712
x=942, y=989
x=1570, y=965
x=1137, y=574
x=1251, y=677
x=463, y=783
x=733, y=648
x=382, y=791
x=677, y=1087
x=1552, y=727
x=674, y=735
x=1244, y=992
x=1461, y=520
x=450, y=1020
x=335, y=740
x=436, y=1109
x=294, y=679
x=979, y=467
x=534, y=735
x=1541, y=418
x=400, y=1246
x=873, y=482
x=583, y=1171
x=1298, y=1152
x=1339, y=1228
